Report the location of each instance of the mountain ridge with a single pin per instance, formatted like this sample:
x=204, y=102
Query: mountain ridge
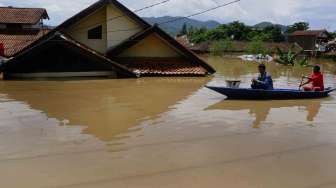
x=175, y=27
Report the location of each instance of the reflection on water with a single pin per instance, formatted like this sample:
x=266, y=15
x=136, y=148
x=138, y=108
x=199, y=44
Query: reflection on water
x=261, y=109
x=106, y=107
x=165, y=132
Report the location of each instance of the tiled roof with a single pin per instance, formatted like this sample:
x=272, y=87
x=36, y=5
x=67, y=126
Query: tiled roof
x=194, y=60
x=183, y=40
x=165, y=68
x=55, y=36
x=22, y=15
x=308, y=33
x=14, y=42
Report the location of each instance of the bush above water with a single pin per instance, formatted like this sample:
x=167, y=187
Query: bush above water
x=219, y=47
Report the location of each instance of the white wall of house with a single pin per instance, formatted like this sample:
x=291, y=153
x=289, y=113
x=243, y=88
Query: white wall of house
x=151, y=46
x=79, y=31
x=114, y=23
x=119, y=26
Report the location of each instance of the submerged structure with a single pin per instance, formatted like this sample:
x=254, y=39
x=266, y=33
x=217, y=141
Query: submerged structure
x=105, y=39
x=310, y=40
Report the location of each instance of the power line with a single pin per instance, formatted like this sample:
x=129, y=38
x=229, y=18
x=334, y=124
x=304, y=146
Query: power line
x=180, y=18
x=150, y=6
x=137, y=10
x=169, y=21
x=202, y=12
x=110, y=19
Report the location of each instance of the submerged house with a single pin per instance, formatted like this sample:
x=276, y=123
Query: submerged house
x=19, y=27
x=310, y=40
x=105, y=39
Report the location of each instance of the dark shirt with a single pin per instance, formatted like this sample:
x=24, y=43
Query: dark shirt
x=264, y=82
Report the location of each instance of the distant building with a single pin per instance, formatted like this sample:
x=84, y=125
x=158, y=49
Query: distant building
x=311, y=40
x=106, y=39
x=19, y=27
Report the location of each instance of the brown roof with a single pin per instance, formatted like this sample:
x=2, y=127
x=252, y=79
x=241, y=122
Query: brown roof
x=157, y=67
x=22, y=15
x=16, y=41
x=183, y=40
x=309, y=33
x=59, y=37
x=99, y=4
x=112, y=53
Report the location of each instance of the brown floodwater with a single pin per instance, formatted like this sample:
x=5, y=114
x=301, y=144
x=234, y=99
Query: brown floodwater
x=166, y=132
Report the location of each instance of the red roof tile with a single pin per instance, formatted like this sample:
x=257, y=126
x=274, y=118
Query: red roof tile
x=309, y=33
x=14, y=42
x=22, y=15
x=195, y=61
x=168, y=68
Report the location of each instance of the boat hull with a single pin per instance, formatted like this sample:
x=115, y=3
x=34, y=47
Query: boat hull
x=276, y=94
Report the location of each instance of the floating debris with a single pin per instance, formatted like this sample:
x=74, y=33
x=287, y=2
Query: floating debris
x=257, y=58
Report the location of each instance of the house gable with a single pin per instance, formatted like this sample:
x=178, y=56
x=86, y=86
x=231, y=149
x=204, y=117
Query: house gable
x=151, y=46
x=154, y=52
x=79, y=30
x=74, y=60
x=118, y=22
x=119, y=26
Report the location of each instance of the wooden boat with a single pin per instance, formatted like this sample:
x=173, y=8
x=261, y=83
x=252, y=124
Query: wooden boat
x=276, y=94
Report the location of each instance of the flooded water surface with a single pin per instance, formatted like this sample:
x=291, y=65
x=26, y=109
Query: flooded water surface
x=166, y=132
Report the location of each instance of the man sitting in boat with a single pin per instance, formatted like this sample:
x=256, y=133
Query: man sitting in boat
x=264, y=80
x=316, y=80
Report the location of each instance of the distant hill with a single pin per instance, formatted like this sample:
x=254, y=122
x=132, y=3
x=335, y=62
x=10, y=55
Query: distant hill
x=174, y=27
x=263, y=25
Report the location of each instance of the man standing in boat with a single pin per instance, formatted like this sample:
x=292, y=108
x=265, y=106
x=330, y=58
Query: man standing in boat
x=264, y=80
x=316, y=80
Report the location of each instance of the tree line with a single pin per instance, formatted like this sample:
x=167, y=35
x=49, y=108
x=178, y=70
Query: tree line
x=238, y=31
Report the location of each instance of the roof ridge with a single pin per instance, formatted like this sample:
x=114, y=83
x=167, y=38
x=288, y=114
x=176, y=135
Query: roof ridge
x=97, y=5
x=12, y=7
x=157, y=30
x=46, y=38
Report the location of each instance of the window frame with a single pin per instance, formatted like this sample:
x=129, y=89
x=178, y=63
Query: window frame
x=91, y=35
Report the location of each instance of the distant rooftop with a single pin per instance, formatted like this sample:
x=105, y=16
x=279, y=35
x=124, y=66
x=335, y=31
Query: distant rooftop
x=309, y=33
x=14, y=15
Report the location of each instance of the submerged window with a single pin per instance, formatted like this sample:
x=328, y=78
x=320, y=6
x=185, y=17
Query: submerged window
x=96, y=33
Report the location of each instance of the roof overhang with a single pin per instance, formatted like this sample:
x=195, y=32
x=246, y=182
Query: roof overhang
x=115, y=51
x=60, y=37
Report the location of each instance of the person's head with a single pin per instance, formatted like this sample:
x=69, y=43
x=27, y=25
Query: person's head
x=262, y=68
x=317, y=69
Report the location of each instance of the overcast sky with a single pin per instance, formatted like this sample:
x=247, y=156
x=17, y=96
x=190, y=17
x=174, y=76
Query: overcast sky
x=320, y=13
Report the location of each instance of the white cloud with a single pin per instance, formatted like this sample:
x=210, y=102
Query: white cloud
x=321, y=13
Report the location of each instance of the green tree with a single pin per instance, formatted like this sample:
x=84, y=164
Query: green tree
x=218, y=33
x=291, y=58
x=184, y=30
x=219, y=47
x=275, y=33
x=299, y=26
x=331, y=35
x=196, y=35
x=238, y=31
x=257, y=46
x=264, y=37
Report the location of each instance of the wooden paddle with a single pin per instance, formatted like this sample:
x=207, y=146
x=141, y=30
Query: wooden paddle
x=301, y=82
